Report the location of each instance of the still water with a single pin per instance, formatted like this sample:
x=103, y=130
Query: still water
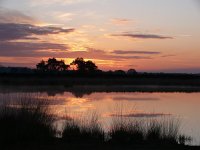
x=139, y=105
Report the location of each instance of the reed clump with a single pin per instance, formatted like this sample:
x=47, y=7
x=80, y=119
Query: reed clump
x=27, y=121
x=147, y=132
x=84, y=130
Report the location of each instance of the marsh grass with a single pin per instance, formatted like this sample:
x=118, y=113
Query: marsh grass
x=27, y=121
x=126, y=133
x=152, y=132
x=87, y=130
x=165, y=132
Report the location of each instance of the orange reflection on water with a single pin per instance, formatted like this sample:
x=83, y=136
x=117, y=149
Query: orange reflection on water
x=184, y=106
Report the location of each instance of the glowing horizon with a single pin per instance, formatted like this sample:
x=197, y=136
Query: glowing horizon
x=160, y=36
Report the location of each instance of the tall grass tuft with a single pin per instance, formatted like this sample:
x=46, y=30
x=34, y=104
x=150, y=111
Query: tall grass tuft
x=26, y=121
x=126, y=133
x=84, y=130
x=163, y=132
x=147, y=132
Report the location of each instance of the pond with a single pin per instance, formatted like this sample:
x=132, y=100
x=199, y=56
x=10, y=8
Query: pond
x=136, y=105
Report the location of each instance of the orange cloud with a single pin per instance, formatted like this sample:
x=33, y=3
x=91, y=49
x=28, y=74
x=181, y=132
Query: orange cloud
x=121, y=21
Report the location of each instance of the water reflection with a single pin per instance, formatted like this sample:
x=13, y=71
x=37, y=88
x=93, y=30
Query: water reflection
x=81, y=91
x=133, y=98
x=137, y=104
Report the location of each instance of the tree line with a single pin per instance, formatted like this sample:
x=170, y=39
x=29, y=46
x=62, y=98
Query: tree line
x=79, y=65
x=52, y=64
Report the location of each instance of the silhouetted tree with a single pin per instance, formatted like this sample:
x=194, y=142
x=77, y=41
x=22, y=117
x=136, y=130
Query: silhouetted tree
x=41, y=66
x=52, y=65
x=84, y=66
x=55, y=65
x=80, y=63
x=131, y=72
x=90, y=66
x=119, y=72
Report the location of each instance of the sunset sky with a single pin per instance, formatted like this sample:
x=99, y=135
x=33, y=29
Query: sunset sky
x=148, y=35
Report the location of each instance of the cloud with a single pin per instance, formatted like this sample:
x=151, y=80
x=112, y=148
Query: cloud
x=131, y=57
x=25, y=49
x=135, y=52
x=197, y=2
x=14, y=16
x=1, y=1
x=14, y=31
x=62, y=2
x=143, y=36
x=103, y=55
x=19, y=61
x=15, y=26
x=120, y=21
x=107, y=56
x=17, y=64
x=141, y=115
x=65, y=16
x=165, y=56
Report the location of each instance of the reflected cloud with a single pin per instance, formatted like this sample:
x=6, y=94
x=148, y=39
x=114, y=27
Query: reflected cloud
x=136, y=98
x=141, y=115
x=16, y=99
x=81, y=91
x=81, y=94
x=64, y=117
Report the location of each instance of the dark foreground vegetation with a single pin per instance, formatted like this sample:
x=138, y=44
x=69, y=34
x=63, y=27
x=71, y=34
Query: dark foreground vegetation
x=29, y=125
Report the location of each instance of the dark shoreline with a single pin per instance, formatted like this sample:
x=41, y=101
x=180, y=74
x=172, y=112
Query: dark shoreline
x=81, y=90
x=93, y=80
